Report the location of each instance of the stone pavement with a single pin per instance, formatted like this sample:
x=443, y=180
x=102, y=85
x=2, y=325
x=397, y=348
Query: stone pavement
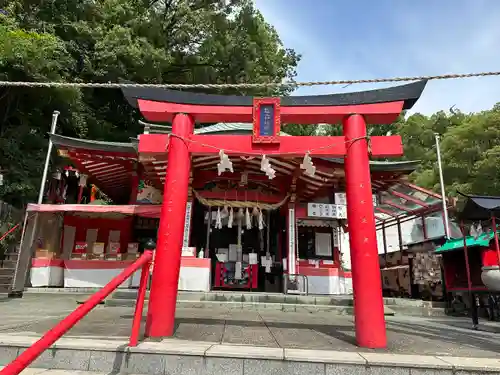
x=33, y=315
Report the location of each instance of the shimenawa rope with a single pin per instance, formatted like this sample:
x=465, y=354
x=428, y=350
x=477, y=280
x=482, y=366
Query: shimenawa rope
x=111, y=85
x=239, y=204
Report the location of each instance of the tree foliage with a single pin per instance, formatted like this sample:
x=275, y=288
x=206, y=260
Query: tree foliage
x=145, y=41
x=470, y=147
x=181, y=41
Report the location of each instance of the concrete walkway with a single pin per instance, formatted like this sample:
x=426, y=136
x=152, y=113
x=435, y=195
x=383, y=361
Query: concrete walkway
x=33, y=315
x=173, y=356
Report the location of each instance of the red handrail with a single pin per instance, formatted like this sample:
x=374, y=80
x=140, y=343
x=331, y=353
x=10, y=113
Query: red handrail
x=34, y=351
x=139, y=305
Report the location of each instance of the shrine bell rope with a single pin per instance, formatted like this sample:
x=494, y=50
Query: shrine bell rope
x=111, y=85
x=239, y=204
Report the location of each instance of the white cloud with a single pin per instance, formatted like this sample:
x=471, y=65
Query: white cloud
x=458, y=36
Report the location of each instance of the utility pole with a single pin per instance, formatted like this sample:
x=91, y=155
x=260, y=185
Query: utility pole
x=55, y=115
x=441, y=182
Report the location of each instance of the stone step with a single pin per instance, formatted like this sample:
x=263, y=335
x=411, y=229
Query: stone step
x=6, y=279
x=174, y=356
x=335, y=300
x=7, y=272
x=5, y=288
x=11, y=256
x=338, y=300
x=7, y=263
x=253, y=306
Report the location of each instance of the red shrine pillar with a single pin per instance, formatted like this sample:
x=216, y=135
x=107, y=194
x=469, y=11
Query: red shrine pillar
x=367, y=285
x=167, y=263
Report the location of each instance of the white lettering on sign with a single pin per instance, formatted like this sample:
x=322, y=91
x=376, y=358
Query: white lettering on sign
x=326, y=211
x=187, y=225
x=341, y=199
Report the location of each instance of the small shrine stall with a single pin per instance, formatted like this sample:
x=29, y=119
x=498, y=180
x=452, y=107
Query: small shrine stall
x=85, y=246
x=472, y=263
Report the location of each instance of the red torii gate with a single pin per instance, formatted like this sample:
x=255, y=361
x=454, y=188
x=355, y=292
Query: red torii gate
x=353, y=110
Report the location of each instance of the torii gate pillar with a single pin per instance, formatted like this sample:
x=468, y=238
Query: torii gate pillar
x=167, y=263
x=367, y=284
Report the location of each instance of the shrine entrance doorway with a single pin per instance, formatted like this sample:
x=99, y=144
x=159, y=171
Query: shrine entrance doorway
x=245, y=256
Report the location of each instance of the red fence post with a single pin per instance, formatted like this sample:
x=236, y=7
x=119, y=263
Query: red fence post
x=139, y=304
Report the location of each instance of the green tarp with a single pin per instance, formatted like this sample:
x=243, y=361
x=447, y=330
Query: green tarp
x=483, y=240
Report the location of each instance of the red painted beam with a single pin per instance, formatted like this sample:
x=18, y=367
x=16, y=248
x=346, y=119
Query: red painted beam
x=421, y=189
x=380, y=113
x=408, y=198
x=386, y=146
x=201, y=177
x=289, y=146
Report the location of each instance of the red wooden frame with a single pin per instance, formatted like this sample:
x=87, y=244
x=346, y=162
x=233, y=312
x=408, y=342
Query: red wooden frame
x=237, y=195
x=378, y=113
x=257, y=108
x=253, y=277
x=326, y=146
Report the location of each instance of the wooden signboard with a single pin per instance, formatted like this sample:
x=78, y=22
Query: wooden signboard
x=266, y=120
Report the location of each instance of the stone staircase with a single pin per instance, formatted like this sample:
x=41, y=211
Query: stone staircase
x=338, y=304
x=7, y=270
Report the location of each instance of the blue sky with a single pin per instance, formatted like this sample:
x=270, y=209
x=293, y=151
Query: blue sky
x=356, y=39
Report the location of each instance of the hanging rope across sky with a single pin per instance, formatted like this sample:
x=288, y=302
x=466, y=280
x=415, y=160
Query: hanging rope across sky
x=294, y=84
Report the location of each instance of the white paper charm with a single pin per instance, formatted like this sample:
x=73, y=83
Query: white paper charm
x=261, y=220
x=248, y=219
x=218, y=220
x=230, y=219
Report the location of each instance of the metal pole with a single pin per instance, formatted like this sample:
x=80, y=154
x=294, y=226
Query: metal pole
x=55, y=115
x=443, y=194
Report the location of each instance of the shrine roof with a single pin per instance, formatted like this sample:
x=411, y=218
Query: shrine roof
x=229, y=128
x=408, y=93
x=93, y=145
x=479, y=207
x=110, y=164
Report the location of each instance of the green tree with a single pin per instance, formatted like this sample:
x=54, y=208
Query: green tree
x=145, y=41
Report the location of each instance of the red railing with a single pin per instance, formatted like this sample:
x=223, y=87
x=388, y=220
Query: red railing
x=34, y=351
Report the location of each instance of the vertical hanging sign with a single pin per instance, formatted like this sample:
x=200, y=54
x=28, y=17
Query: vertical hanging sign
x=266, y=120
x=187, y=225
x=291, y=242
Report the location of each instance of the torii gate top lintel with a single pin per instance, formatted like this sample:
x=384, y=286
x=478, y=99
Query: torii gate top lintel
x=381, y=106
